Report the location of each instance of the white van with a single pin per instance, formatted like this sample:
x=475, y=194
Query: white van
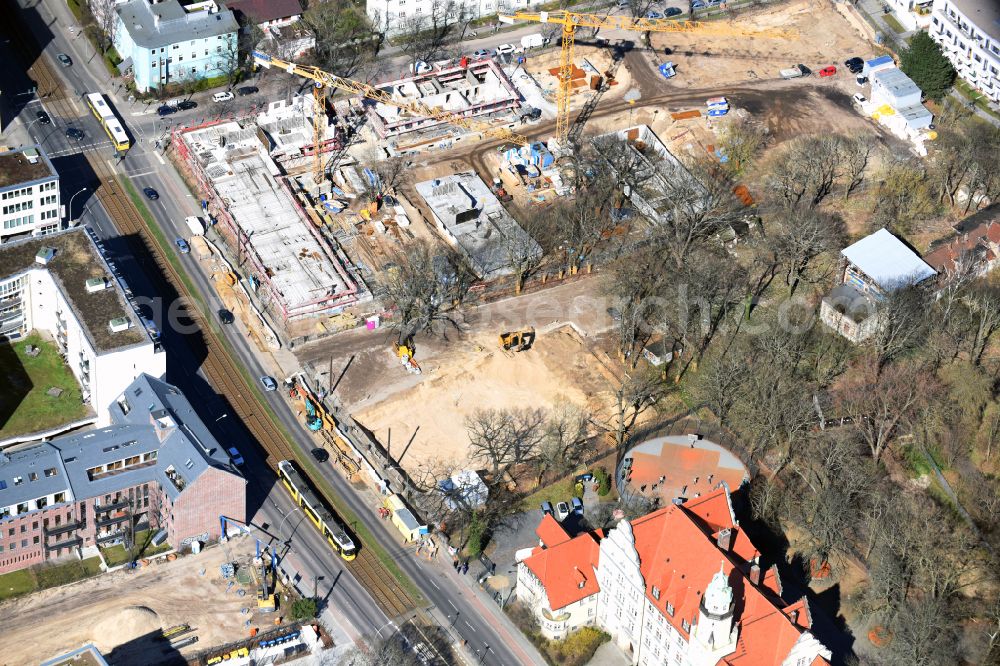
x=222, y=96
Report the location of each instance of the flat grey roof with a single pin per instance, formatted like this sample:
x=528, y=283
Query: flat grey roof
x=887, y=260
x=187, y=446
x=896, y=82
x=984, y=13
x=166, y=23
x=76, y=260
x=17, y=170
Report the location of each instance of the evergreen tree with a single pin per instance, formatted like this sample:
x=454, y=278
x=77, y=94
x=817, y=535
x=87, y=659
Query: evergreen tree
x=924, y=62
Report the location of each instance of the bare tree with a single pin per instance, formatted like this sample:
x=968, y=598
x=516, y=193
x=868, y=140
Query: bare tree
x=632, y=283
x=636, y=392
x=424, y=36
x=802, y=236
x=699, y=206
x=423, y=289
x=807, y=168
x=345, y=39
x=903, y=196
x=566, y=441
x=901, y=322
x=105, y=22
x=882, y=404
x=502, y=439
x=856, y=155
x=522, y=254
x=743, y=139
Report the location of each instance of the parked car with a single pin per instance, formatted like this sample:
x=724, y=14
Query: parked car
x=577, y=504
x=504, y=49
x=268, y=383
x=247, y=90
x=861, y=80
x=859, y=99
x=64, y=59
x=150, y=193
x=547, y=508
x=235, y=455
x=698, y=4
x=854, y=65
x=223, y=96
x=182, y=245
x=654, y=15
x=187, y=105
x=166, y=110
x=670, y=12
x=43, y=118
x=74, y=133
x=562, y=510
x=480, y=54
x=320, y=455
x=828, y=71
x=226, y=317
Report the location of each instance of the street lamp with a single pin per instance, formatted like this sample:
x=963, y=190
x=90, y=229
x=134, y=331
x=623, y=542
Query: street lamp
x=222, y=417
x=69, y=213
x=282, y=525
x=378, y=632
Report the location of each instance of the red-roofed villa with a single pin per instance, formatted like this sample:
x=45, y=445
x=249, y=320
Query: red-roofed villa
x=681, y=586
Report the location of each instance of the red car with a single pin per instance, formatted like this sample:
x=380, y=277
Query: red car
x=828, y=71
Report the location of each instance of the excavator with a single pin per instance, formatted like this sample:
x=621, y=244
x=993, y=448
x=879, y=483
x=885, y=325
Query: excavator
x=517, y=340
x=265, y=594
x=313, y=421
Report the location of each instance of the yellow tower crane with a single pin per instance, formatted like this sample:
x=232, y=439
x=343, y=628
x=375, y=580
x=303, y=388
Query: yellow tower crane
x=570, y=21
x=323, y=80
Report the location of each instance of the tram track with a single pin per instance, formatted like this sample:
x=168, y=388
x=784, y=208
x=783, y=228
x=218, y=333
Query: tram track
x=218, y=365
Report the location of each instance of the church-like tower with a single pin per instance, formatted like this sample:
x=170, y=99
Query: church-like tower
x=715, y=635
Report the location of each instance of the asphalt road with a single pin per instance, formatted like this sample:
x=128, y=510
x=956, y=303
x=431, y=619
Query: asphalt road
x=466, y=614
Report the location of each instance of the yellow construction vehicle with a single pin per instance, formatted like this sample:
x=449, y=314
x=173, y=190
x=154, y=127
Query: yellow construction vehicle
x=322, y=80
x=517, y=340
x=265, y=592
x=405, y=351
x=570, y=21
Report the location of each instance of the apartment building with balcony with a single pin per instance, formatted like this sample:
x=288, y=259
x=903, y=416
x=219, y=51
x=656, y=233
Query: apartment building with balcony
x=62, y=285
x=155, y=467
x=969, y=34
x=29, y=194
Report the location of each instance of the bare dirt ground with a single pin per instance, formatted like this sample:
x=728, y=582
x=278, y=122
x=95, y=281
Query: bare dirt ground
x=123, y=613
x=822, y=37
x=427, y=419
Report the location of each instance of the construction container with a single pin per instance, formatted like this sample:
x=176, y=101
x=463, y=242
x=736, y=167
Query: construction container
x=403, y=518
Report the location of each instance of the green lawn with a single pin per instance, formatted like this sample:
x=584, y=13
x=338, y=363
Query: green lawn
x=973, y=95
x=115, y=555
x=560, y=491
x=893, y=23
x=24, y=405
x=42, y=576
x=16, y=583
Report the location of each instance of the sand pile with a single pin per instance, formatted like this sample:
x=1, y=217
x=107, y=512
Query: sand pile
x=126, y=625
x=434, y=411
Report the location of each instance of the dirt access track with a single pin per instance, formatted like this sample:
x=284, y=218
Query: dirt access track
x=123, y=613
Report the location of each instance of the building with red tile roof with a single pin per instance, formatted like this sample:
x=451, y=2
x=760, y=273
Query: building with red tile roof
x=680, y=586
x=974, y=247
x=679, y=466
x=559, y=580
x=266, y=13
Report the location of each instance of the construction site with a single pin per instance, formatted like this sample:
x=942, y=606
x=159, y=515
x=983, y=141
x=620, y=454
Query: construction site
x=167, y=609
x=309, y=219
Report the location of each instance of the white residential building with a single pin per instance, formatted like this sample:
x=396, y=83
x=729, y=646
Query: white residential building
x=29, y=194
x=876, y=265
x=681, y=586
x=392, y=16
x=969, y=33
x=61, y=285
